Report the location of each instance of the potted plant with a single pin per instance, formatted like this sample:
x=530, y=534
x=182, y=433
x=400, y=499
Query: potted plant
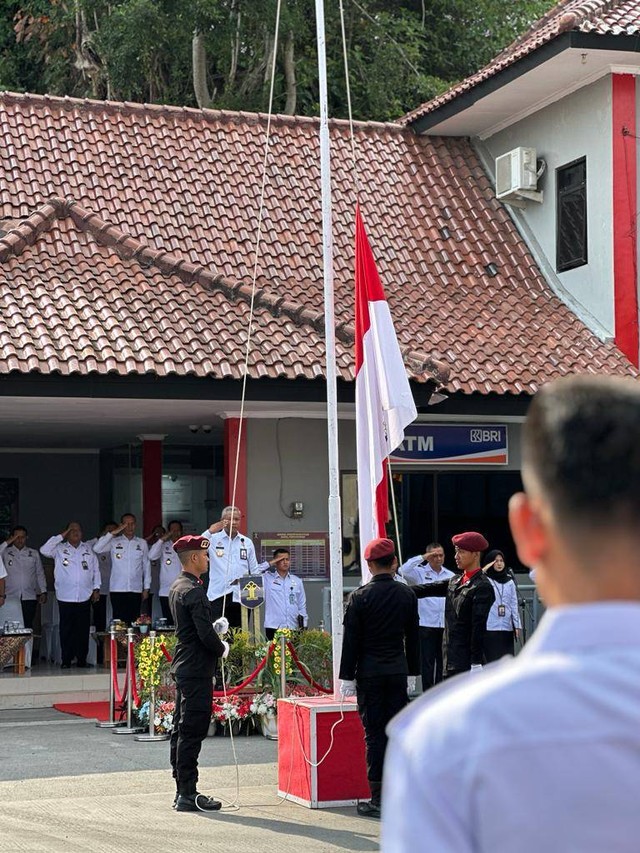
x=264, y=707
x=163, y=718
x=142, y=623
x=227, y=712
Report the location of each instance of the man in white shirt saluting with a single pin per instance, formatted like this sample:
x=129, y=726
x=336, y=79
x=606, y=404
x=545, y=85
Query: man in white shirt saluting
x=170, y=565
x=285, y=601
x=559, y=723
x=429, y=568
x=231, y=556
x=76, y=576
x=25, y=585
x=130, y=568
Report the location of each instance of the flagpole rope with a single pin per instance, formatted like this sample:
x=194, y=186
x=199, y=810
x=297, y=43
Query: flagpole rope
x=233, y=805
x=357, y=185
x=345, y=59
x=395, y=510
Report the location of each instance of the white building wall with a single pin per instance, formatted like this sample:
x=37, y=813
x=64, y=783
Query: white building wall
x=575, y=127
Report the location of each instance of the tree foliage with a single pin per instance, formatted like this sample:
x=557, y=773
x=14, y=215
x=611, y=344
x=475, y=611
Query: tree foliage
x=219, y=53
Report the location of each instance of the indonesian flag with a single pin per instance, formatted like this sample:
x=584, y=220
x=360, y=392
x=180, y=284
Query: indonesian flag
x=384, y=403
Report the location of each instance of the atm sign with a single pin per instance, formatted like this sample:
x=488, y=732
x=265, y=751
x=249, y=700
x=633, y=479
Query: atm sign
x=454, y=444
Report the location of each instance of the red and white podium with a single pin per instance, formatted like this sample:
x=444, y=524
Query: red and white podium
x=304, y=735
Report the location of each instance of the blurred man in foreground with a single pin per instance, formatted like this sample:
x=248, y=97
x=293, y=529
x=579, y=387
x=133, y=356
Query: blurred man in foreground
x=559, y=724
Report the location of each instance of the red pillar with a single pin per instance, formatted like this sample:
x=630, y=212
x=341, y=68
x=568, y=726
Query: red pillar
x=625, y=244
x=151, y=482
x=234, y=435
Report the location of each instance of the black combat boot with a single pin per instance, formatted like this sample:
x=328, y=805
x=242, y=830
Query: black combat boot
x=197, y=802
x=372, y=808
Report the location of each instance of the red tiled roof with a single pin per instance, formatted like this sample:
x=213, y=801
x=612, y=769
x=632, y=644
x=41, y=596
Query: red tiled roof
x=164, y=221
x=602, y=17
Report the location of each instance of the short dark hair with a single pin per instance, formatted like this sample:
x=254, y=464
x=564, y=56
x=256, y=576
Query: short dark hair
x=580, y=442
x=174, y=521
x=127, y=515
x=19, y=527
x=384, y=562
x=281, y=551
x=433, y=545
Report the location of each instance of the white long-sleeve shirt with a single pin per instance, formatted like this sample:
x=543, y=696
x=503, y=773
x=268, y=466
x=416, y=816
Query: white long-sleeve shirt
x=3, y=571
x=25, y=576
x=130, y=566
x=223, y=570
x=559, y=722
x=75, y=573
x=430, y=610
x=507, y=597
x=170, y=566
x=284, y=599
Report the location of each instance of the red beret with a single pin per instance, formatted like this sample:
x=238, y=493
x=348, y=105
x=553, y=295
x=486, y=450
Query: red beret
x=470, y=541
x=378, y=548
x=190, y=543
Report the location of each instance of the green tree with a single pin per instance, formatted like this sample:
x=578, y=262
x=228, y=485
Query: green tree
x=219, y=53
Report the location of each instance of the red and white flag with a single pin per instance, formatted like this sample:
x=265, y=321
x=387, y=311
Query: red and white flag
x=384, y=402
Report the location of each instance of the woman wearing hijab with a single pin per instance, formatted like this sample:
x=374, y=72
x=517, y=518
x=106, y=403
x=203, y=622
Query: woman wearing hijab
x=503, y=622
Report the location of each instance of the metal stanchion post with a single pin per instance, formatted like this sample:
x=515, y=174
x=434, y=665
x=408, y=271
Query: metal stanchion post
x=129, y=729
x=112, y=724
x=151, y=735
x=283, y=666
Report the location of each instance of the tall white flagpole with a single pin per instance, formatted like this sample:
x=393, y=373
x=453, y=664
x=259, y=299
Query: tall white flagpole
x=335, y=515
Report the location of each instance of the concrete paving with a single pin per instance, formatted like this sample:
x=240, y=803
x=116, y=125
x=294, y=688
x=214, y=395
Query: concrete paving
x=67, y=786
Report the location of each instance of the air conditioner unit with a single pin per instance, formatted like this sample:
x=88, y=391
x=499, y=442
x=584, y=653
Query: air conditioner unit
x=516, y=177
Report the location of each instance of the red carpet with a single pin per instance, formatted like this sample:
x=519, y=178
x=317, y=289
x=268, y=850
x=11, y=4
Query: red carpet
x=93, y=710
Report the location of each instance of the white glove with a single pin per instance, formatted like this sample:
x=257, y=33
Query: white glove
x=476, y=667
x=411, y=684
x=347, y=689
x=226, y=648
x=221, y=626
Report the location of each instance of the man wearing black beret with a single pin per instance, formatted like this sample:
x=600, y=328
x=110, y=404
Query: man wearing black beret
x=194, y=663
x=469, y=597
x=380, y=652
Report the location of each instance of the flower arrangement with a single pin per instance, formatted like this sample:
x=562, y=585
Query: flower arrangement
x=231, y=709
x=264, y=705
x=150, y=663
x=143, y=619
x=278, y=664
x=163, y=719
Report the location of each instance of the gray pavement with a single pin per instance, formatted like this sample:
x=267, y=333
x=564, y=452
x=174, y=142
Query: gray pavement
x=67, y=786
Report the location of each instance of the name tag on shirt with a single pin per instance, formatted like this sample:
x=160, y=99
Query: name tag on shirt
x=502, y=610
x=243, y=553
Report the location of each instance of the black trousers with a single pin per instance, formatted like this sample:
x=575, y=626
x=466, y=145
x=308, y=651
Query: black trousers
x=380, y=698
x=166, y=610
x=497, y=644
x=28, y=612
x=190, y=725
x=431, y=656
x=126, y=606
x=146, y=606
x=75, y=618
x=232, y=610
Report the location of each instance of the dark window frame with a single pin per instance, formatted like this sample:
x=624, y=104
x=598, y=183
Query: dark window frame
x=564, y=198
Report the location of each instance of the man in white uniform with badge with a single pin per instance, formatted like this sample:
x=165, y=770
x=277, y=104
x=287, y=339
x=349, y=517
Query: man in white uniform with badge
x=285, y=601
x=130, y=568
x=77, y=581
x=429, y=568
x=231, y=556
x=558, y=725
x=170, y=565
x=25, y=584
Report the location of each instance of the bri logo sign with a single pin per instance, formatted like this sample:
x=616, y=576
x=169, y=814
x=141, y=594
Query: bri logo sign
x=453, y=444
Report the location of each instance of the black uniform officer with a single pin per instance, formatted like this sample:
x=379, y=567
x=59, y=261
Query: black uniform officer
x=469, y=600
x=194, y=664
x=380, y=649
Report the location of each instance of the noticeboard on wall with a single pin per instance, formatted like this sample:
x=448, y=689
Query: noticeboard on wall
x=309, y=551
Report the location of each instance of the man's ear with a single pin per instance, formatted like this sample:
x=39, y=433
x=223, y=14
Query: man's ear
x=528, y=529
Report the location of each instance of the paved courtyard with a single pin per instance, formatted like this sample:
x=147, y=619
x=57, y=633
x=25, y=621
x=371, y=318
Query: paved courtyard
x=67, y=786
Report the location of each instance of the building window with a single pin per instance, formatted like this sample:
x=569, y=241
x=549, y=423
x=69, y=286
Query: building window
x=571, y=212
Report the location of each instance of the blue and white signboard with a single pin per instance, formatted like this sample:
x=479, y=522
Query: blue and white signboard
x=453, y=444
